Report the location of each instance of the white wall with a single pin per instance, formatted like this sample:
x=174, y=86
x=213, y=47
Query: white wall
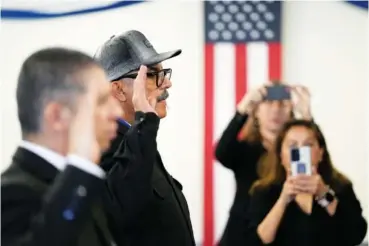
x=326, y=49
x=325, y=46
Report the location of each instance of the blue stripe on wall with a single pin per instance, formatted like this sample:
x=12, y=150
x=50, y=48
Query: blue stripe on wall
x=15, y=14
x=361, y=4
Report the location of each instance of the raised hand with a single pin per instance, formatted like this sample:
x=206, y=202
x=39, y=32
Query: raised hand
x=312, y=184
x=250, y=100
x=141, y=102
x=82, y=135
x=301, y=101
x=289, y=190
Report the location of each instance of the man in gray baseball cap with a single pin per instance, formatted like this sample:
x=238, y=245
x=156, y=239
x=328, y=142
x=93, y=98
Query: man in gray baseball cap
x=147, y=206
x=122, y=56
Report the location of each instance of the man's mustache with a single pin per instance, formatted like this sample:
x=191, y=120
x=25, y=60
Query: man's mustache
x=163, y=96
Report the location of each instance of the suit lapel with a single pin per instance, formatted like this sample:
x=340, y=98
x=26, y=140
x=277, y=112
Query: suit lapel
x=46, y=172
x=35, y=165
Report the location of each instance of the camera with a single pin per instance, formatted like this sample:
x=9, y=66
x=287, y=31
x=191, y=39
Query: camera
x=278, y=92
x=301, y=161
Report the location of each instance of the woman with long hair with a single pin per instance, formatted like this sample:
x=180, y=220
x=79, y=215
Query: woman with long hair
x=278, y=212
x=246, y=141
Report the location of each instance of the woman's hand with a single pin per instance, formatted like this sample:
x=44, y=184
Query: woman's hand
x=301, y=101
x=289, y=191
x=250, y=100
x=312, y=184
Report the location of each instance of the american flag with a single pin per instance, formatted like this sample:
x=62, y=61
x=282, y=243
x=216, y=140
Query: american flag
x=242, y=50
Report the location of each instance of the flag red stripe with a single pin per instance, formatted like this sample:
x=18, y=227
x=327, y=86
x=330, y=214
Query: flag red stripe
x=275, y=61
x=241, y=56
x=208, y=147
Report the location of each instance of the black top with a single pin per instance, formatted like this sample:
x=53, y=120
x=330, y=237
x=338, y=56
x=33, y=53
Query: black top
x=148, y=205
x=41, y=206
x=346, y=228
x=241, y=157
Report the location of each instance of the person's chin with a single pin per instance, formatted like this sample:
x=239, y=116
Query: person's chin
x=162, y=114
x=161, y=109
x=275, y=127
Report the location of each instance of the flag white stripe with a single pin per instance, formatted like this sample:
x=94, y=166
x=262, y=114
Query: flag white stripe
x=224, y=86
x=257, y=65
x=224, y=109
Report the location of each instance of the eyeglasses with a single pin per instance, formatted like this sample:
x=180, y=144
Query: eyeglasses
x=159, y=76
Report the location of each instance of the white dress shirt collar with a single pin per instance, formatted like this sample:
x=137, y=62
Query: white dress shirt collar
x=60, y=162
x=55, y=159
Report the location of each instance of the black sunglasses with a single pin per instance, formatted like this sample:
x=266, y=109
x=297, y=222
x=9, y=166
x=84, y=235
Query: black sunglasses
x=160, y=76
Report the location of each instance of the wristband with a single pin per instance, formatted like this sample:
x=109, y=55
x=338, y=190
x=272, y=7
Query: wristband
x=327, y=198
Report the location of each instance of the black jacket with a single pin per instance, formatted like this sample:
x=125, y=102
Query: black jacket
x=148, y=205
x=241, y=157
x=41, y=206
x=347, y=227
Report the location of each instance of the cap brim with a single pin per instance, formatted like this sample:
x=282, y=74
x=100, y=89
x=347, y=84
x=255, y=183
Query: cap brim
x=161, y=57
x=125, y=67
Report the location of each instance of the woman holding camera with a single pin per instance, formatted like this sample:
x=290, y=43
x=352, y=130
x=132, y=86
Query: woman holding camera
x=259, y=121
x=277, y=215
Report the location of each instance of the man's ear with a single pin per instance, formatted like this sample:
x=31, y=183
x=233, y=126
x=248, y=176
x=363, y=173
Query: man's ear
x=58, y=116
x=117, y=88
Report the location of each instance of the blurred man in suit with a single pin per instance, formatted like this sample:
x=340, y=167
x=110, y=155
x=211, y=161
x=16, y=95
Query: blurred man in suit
x=149, y=207
x=50, y=193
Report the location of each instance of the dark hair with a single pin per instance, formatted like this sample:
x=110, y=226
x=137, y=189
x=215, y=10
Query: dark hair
x=274, y=173
x=51, y=74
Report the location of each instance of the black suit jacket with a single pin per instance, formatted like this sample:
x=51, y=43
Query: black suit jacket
x=41, y=206
x=146, y=206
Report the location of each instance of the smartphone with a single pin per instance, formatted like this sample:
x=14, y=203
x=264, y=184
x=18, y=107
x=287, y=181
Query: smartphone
x=277, y=92
x=301, y=161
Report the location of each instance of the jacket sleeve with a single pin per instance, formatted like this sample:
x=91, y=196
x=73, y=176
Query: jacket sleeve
x=31, y=217
x=129, y=181
x=228, y=147
x=350, y=221
x=261, y=203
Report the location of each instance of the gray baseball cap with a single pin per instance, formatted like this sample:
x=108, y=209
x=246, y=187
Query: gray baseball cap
x=127, y=52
